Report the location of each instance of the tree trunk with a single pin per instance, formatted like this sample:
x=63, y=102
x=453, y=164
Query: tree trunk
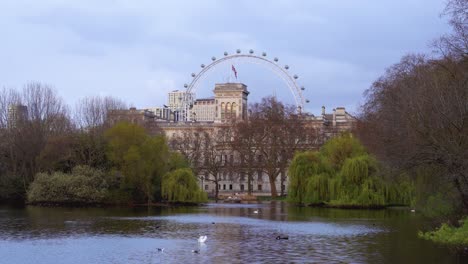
x=274, y=193
x=216, y=192
x=249, y=183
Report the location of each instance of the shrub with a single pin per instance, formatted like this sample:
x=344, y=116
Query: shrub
x=445, y=234
x=84, y=185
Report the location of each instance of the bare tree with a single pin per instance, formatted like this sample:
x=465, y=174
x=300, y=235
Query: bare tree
x=47, y=117
x=280, y=132
x=417, y=114
x=91, y=112
x=455, y=44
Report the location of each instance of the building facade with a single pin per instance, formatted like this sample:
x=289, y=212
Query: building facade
x=210, y=119
x=16, y=113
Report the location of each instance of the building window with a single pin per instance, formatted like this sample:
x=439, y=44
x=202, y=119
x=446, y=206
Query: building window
x=242, y=187
x=260, y=175
x=259, y=187
x=230, y=186
x=242, y=176
x=206, y=187
x=224, y=186
x=219, y=186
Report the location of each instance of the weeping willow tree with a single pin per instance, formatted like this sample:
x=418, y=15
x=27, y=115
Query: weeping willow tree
x=302, y=167
x=317, y=191
x=181, y=186
x=336, y=150
x=343, y=174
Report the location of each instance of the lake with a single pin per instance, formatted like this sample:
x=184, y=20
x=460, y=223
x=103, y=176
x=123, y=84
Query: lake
x=235, y=235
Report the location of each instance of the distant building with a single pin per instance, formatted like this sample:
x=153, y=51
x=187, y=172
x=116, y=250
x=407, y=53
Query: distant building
x=16, y=113
x=231, y=101
x=175, y=99
x=161, y=113
x=143, y=117
x=211, y=115
x=204, y=110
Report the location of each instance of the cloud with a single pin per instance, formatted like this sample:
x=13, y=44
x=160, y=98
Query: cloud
x=140, y=50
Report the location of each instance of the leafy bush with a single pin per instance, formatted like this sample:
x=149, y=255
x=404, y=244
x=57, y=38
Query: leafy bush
x=445, y=234
x=181, y=186
x=84, y=185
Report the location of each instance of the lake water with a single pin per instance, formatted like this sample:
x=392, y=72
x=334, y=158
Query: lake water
x=235, y=235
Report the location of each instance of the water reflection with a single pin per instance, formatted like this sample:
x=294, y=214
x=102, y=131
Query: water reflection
x=235, y=235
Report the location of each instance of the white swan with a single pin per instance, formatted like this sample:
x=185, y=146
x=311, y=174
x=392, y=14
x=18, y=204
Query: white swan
x=412, y=210
x=256, y=212
x=202, y=239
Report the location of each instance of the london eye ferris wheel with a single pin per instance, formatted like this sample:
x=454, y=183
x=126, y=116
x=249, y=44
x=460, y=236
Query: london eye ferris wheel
x=238, y=57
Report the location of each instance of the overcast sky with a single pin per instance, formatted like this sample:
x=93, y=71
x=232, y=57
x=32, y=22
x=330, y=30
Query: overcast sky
x=140, y=50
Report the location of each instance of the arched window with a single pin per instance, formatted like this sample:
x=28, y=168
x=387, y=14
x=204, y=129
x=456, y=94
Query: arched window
x=223, y=110
x=234, y=110
x=228, y=110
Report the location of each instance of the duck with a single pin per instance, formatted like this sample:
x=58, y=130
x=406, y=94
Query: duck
x=161, y=249
x=195, y=251
x=256, y=212
x=282, y=237
x=413, y=211
x=202, y=239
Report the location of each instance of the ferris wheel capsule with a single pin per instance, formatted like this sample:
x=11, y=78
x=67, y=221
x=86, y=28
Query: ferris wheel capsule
x=302, y=88
x=295, y=76
x=238, y=51
x=307, y=101
x=193, y=74
x=213, y=58
x=251, y=51
x=286, y=67
x=275, y=59
x=203, y=65
x=185, y=85
x=225, y=53
x=264, y=54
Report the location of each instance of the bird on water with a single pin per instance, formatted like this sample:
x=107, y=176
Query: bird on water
x=202, y=239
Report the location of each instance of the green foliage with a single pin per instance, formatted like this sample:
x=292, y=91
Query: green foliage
x=446, y=234
x=142, y=159
x=338, y=149
x=181, y=186
x=435, y=197
x=302, y=166
x=177, y=161
x=342, y=174
x=438, y=205
x=84, y=185
x=316, y=189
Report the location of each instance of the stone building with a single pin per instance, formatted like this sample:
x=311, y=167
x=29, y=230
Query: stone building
x=210, y=116
x=16, y=113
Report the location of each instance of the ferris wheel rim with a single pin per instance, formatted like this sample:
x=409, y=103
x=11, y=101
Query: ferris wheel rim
x=281, y=72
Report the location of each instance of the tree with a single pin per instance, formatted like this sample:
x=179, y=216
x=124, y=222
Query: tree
x=416, y=115
x=142, y=159
x=181, y=186
x=40, y=115
x=92, y=112
x=212, y=164
x=245, y=143
x=282, y=132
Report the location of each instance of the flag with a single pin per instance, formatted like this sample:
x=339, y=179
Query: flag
x=234, y=70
